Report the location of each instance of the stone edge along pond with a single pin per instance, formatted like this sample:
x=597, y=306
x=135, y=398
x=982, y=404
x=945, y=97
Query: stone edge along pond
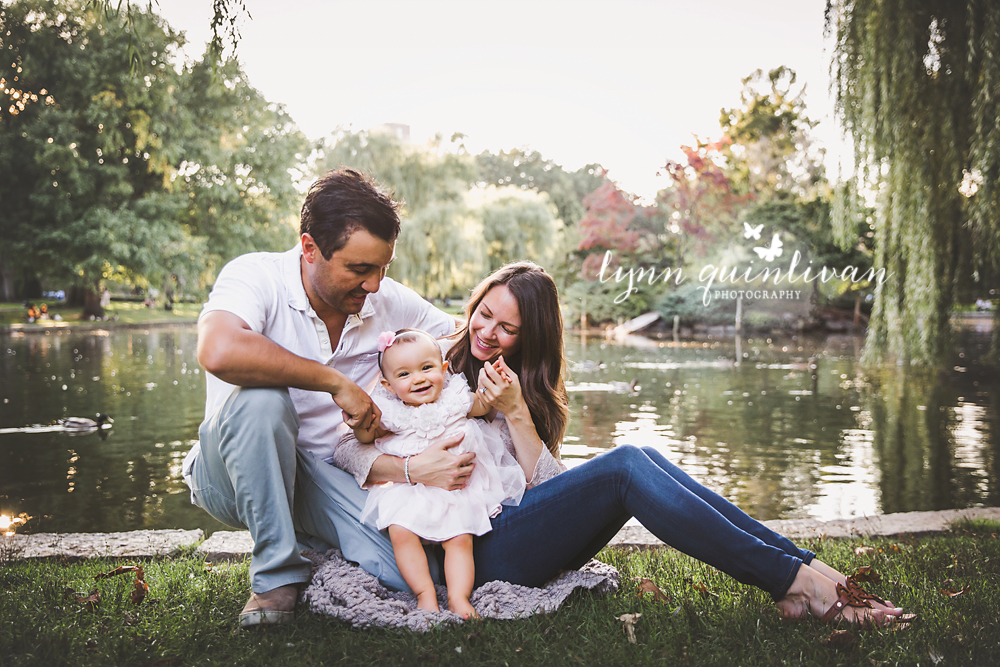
x=229, y=545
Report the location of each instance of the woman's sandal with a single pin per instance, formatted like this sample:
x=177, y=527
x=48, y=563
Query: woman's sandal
x=852, y=595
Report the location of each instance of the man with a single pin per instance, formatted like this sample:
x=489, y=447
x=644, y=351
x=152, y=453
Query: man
x=289, y=341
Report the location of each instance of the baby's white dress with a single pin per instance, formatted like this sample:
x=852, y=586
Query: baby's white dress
x=428, y=511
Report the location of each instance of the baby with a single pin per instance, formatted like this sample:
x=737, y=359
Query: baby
x=420, y=403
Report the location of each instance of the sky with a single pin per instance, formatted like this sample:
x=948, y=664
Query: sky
x=622, y=83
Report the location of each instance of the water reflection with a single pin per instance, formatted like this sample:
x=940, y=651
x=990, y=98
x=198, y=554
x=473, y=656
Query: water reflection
x=792, y=428
x=148, y=381
x=784, y=428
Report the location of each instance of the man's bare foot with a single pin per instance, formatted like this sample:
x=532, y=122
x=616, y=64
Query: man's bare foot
x=428, y=600
x=813, y=594
x=463, y=608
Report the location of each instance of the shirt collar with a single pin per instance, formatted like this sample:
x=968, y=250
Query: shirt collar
x=292, y=270
x=297, y=297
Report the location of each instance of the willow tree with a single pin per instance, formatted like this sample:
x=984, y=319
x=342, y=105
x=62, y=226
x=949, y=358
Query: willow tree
x=917, y=85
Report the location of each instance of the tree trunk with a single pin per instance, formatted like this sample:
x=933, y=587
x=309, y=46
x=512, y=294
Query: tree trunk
x=92, y=304
x=6, y=283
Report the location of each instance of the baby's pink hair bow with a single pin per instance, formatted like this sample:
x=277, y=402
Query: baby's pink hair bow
x=385, y=339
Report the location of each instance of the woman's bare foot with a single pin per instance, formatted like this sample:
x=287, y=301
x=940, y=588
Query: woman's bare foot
x=839, y=578
x=812, y=593
x=428, y=601
x=463, y=608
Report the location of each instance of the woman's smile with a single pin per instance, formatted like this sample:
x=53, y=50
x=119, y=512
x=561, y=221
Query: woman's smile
x=495, y=325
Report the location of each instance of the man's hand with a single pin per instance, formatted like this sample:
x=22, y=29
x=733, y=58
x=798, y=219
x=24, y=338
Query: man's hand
x=438, y=466
x=360, y=412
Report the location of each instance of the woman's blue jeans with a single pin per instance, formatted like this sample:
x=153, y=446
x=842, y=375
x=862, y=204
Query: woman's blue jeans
x=563, y=522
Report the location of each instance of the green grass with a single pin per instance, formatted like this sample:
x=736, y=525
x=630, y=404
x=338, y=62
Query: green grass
x=127, y=312
x=189, y=617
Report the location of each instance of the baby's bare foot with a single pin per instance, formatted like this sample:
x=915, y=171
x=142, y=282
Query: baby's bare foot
x=463, y=608
x=428, y=601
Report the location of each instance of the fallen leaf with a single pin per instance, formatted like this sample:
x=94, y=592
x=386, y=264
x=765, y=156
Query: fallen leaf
x=703, y=589
x=840, y=640
x=647, y=586
x=629, y=620
x=951, y=592
x=89, y=601
x=867, y=574
x=115, y=572
x=862, y=551
x=936, y=657
x=141, y=587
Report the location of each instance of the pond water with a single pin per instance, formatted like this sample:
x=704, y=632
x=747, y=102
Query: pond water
x=795, y=430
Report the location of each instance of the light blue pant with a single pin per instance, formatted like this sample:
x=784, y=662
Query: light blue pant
x=251, y=475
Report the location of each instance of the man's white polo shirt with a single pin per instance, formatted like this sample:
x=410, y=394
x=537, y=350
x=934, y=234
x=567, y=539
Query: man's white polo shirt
x=265, y=291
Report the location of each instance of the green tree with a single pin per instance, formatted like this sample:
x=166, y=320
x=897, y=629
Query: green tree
x=241, y=159
x=529, y=170
x=143, y=179
x=440, y=248
x=516, y=225
x=770, y=150
x=419, y=175
x=916, y=86
x=85, y=147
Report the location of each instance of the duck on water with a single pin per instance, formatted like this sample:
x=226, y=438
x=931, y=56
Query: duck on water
x=70, y=425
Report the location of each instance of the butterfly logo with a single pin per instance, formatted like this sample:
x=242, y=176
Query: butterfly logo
x=754, y=232
x=769, y=253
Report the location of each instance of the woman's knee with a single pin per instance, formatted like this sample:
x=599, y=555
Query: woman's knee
x=620, y=464
x=625, y=456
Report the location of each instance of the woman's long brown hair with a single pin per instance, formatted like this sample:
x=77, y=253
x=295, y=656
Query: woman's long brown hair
x=541, y=359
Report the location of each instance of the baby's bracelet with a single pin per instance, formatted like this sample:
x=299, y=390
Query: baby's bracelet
x=406, y=470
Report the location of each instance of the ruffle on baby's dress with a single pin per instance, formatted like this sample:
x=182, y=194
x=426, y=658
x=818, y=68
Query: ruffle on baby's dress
x=430, y=420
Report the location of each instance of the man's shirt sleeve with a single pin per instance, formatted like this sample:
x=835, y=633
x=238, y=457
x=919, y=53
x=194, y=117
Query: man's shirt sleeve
x=245, y=289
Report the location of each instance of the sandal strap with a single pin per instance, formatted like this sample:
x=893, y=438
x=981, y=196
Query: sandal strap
x=846, y=597
x=862, y=594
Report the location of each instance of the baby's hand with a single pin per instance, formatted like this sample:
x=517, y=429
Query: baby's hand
x=499, y=367
x=371, y=434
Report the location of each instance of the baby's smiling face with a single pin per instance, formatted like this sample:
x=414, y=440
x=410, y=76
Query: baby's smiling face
x=413, y=370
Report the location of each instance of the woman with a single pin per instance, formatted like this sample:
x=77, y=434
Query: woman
x=513, y=321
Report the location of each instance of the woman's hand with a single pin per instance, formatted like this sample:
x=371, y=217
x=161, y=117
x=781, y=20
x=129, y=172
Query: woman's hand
x=501, y=388
x=437, y=466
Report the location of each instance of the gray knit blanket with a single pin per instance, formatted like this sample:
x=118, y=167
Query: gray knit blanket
x=345, y=591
